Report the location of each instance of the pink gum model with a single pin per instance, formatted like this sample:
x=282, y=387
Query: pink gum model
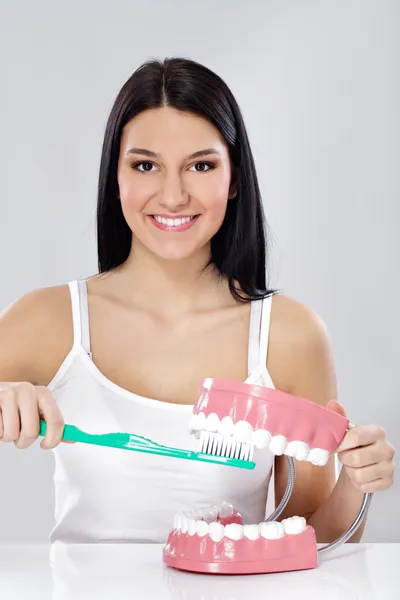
x=268, y=418
x=196, y=550
x=265, y=418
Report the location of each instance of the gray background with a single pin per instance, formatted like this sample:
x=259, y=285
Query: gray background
x=318, y=82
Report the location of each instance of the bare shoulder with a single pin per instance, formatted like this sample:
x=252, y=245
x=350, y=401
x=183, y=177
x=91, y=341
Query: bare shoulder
x=300, y=355
x=36, y=334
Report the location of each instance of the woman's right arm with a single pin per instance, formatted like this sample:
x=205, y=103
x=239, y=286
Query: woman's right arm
x=35, y=336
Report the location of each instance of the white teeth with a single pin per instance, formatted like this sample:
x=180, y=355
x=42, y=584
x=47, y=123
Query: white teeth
x=192, y=527
x=272, y=530
x=226, y=426
x=209, y=514
x=278, y=445
x=234, y=531
x=216, y=531
x=202, y=528
x=225, y=510
x=298, y=450
x=294, y=525
x=177, y=521
x=252, y=532
x=184, y=522
x=224, y=438
x=172, y=222
x=318, y=457
x=197, y=422
x=261, y=439
x=243, y=431
x=212, y=422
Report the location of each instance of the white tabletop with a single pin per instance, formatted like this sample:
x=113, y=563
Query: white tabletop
x=136, y=572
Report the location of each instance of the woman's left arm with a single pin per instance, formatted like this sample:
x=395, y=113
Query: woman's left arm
x=306, y=369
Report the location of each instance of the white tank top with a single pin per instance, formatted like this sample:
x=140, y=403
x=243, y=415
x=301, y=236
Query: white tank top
x=112, y=495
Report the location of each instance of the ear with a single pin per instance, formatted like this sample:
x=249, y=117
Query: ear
x=233, y=186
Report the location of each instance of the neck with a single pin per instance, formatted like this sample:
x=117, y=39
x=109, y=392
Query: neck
x=172, y=287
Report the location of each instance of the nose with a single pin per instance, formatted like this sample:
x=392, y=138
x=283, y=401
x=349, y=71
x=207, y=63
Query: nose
x=173, y=195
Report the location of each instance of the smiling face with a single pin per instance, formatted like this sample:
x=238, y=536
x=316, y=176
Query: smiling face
x=174, y=177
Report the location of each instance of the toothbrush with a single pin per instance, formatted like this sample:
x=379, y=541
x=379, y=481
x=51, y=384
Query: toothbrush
x=137, y=443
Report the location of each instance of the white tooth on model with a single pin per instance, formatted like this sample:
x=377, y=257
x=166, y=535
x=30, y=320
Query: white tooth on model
x=199, y=421
x=278, y=445
x=184, y=522
x=273, y=530
x=252, y=532
x=212, y=422
x=202, y=528
x=177, y=521
x=243, y=431
x=261, y=439
x=318, y=457
x=225, y=510
x=209, y=514
x=192, y=526
x=298, y=450
x=294, y=525
x=226, y=426
x=234, y=531
x=216, y=531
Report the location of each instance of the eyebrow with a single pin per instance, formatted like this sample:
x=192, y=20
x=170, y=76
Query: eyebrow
x=152, y=154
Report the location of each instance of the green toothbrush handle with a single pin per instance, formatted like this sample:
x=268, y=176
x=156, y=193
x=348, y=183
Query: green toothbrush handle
x=114, y=440
x=137, y=443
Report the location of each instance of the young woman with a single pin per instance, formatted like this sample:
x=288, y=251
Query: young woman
x=181, y=294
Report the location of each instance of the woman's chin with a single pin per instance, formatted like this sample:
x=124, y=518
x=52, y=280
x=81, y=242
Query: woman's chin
x=177, y=253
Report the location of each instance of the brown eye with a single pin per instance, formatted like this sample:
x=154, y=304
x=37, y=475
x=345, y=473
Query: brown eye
x=147, y=166
x=208, y=166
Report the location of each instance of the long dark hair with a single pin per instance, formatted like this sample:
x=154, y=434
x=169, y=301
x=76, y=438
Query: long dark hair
x=239, y=249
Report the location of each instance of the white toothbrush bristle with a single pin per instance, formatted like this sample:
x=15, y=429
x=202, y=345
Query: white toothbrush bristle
x=227, y=446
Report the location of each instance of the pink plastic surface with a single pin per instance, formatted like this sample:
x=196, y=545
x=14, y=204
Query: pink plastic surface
x=275, y=411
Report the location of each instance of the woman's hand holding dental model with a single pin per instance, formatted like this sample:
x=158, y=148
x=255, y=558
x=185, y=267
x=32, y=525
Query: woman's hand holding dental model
x=366, y=455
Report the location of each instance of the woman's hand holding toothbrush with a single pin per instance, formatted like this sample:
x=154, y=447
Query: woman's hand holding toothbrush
x=22, y=405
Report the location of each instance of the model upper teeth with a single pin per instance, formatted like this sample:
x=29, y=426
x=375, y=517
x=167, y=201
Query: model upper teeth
x=272, y=530
x=225, y=438
x=172, y=222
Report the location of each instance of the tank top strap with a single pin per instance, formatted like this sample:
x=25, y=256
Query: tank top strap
x=265, y=326
x=76, y=312
x=80, y=314
x=254, y=335
x=84, y=312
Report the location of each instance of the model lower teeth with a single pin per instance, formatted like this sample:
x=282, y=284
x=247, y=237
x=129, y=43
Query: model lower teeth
x=186, y=523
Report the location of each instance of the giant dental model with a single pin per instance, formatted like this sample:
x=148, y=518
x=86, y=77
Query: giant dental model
x=231, y=419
